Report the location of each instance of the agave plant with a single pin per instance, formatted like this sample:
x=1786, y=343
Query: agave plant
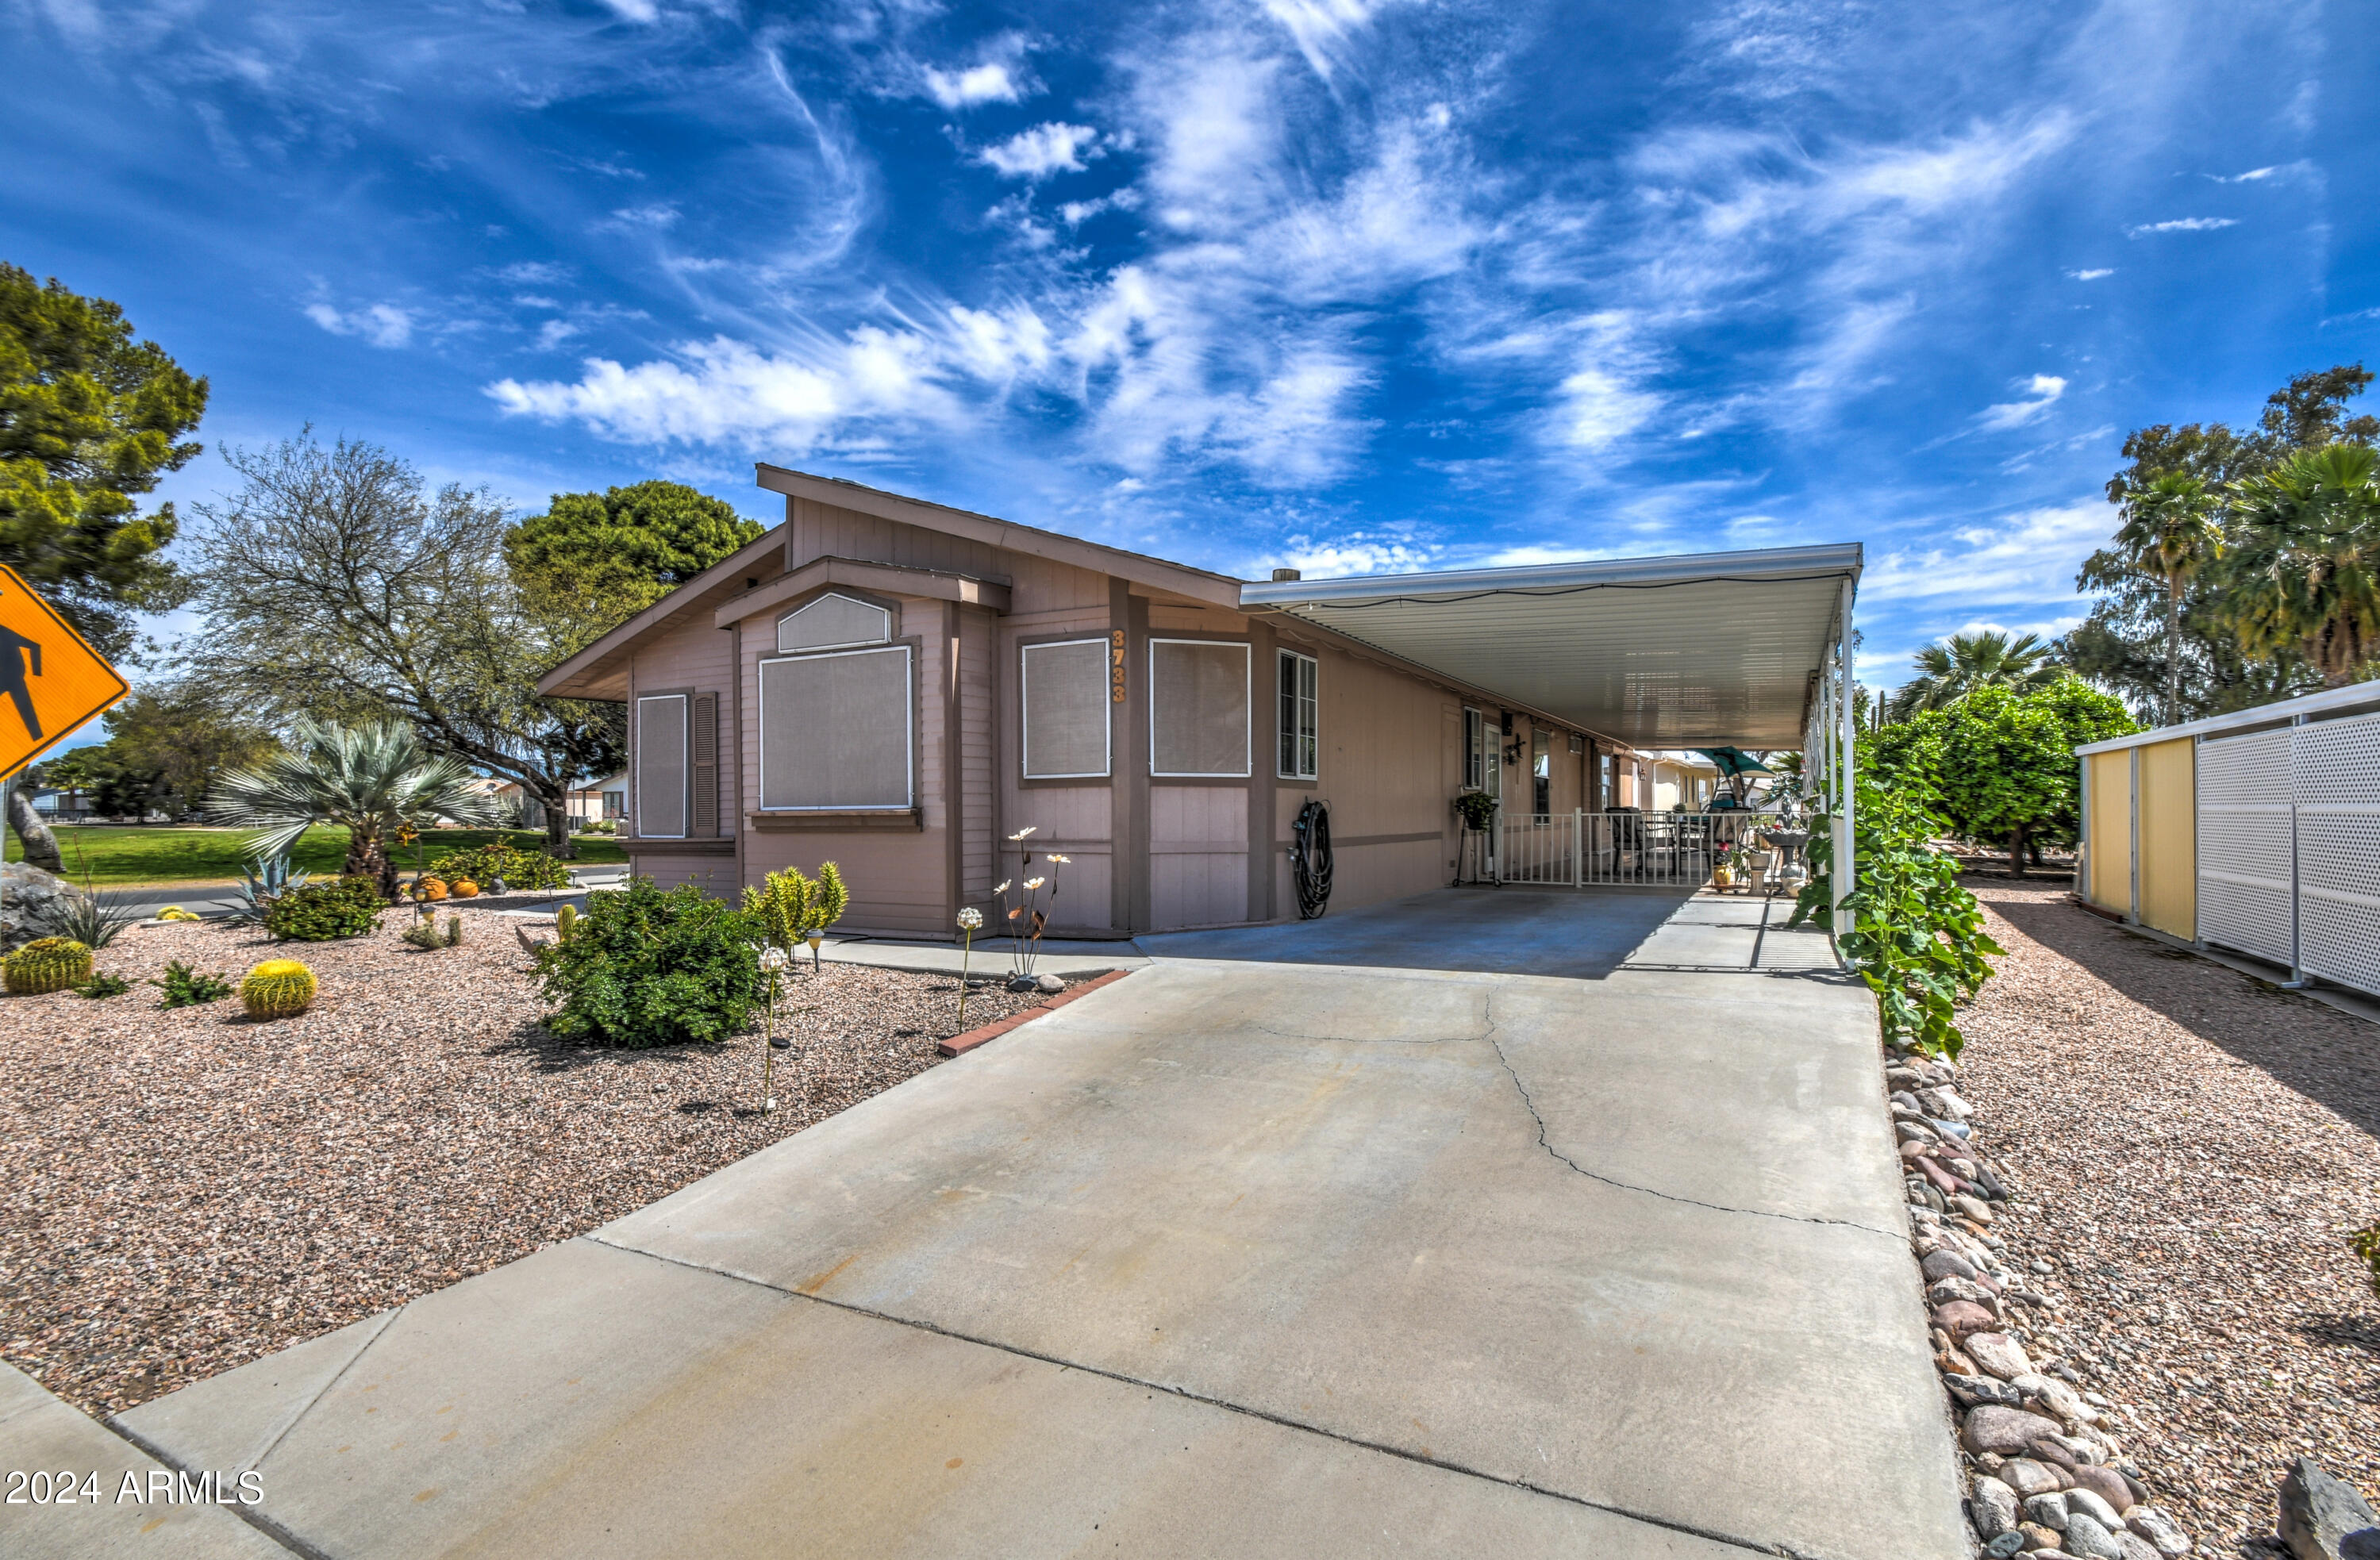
x=268, y=880
x=374, y=780
x=93, y=919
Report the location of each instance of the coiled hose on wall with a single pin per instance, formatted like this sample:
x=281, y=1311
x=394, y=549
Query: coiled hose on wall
x=1309, y=859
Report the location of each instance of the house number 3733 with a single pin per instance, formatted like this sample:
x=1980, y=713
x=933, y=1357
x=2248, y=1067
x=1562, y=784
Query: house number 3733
x=1115, y=666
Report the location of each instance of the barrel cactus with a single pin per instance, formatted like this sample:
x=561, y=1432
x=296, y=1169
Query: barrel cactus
x=46, y=964
x=278, y=988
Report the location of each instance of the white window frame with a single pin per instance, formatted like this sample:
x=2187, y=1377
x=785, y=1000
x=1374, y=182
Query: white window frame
x=777, y=628
x=686, y=766
x=1287, y=663
x=1024, y=711
x=1247, y=702
x=908, y=654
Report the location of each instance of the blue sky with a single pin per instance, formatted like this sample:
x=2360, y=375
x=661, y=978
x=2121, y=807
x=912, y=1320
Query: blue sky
x=1332, y=283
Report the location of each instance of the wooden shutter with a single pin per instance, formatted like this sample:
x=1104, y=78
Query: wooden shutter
x=706, y=765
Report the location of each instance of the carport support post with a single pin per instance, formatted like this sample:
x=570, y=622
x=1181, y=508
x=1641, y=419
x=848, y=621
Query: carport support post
x=1844, y=867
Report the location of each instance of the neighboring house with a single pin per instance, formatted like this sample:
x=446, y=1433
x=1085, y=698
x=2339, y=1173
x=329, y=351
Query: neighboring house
x=1682, y=780
x=606, y=798
x=901, y=687
x=61, y=807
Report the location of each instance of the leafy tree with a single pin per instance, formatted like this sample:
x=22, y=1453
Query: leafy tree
x=2172, y=528
x=374, y=780
x=1999, y=765
x=2309, y=565
x=334, y=586
x=1951, y=671
x=602, y=558
x=89, y=417
x=186, y=734
x=2128, y=643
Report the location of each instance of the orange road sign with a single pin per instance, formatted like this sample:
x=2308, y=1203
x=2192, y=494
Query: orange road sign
x=50, y=680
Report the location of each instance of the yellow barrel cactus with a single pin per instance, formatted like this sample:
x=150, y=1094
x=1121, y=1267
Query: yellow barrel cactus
x=278, y=988
x=43, y=965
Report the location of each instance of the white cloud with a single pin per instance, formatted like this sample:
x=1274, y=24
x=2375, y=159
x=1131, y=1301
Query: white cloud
x=2183, y=224
x=2025, y=558
x=1044, y=150
x=2251, y=177
x=1358, y=552
x=2093, y=275
x=535, y=273
x=999, y=76
x=657, y=215
x=1073, y=214
x=2041, y=393
x=382, y=325
x=1321, y=29
x=554, y=332
x=635, y=10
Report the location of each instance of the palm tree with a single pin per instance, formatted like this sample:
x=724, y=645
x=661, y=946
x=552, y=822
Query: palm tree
x=2172, y=528
x=375, y=780
x=1951, y=671
x=2309, y=563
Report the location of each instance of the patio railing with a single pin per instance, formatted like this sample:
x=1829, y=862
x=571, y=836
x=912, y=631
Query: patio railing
x=1581, y=849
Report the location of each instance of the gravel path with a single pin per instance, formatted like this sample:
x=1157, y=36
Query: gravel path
x=2193, y=1149
x=183, y=1192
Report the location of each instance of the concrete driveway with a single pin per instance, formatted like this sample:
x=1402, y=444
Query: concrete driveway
x=1230, y=1258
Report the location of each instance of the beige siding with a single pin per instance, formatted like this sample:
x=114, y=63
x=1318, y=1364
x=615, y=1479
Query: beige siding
x=2169, y=836
x=2110, y=831
x=978, y=753
x=1199, y=855
x=715, y=876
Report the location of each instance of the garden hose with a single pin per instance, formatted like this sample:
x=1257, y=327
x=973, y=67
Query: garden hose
x=1309, y=859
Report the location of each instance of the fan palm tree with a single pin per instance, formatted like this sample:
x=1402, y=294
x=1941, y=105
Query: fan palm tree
x=2172, y=528
x=1951, y=671
x=376, y=779
x=2309, y=558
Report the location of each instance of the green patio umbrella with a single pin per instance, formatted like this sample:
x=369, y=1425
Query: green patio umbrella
x=1734, y=764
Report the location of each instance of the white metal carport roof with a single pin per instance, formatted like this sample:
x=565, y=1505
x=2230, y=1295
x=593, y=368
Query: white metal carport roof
x=1691, y=650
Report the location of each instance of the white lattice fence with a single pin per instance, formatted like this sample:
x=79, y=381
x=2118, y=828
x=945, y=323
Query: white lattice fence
x=2335, y=774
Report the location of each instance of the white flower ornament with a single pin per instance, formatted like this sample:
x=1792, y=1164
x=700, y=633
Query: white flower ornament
x=970, y=919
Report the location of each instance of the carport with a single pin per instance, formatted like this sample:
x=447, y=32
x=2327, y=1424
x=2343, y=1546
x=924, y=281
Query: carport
x=1749, y=649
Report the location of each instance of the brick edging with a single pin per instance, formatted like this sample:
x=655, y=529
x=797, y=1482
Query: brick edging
x=958, y=1045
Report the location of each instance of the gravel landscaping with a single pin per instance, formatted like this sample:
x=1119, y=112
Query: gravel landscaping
x=187, y=1190
x=2188, y=1150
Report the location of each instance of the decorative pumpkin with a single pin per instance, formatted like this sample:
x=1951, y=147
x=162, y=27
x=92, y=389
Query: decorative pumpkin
x=278, y=988
x=45, y=965
x=464, y=888
x=430, y=888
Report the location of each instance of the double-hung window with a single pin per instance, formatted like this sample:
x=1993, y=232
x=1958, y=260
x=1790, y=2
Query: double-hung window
x=837, y=711
x=1301, y=735
x=1066, y=710
x=662, y=782
x=1198, y=715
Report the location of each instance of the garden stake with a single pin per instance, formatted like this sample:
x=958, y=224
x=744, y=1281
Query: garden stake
x=969, y=919
x=772, y=961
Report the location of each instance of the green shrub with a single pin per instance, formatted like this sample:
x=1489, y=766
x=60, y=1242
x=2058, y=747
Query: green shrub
x=319, y=912
x=1916, y=938
x=104, y=986
x=518, y=869
x=185, y=988
x=644, y=967
x=45, y=965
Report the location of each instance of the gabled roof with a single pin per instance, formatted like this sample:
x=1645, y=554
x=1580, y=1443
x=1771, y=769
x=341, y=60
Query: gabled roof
x=1199, y=584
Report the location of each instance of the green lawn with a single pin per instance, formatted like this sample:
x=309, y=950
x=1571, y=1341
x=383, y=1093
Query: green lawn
x=118, y=854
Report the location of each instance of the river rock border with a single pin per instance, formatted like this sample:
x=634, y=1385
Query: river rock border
x=2045, y=1472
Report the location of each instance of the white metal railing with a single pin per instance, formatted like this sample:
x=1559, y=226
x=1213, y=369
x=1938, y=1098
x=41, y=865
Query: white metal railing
x=1581, y=849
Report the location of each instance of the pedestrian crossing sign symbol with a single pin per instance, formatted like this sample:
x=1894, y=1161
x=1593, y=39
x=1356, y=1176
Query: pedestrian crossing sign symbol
x=50, y=680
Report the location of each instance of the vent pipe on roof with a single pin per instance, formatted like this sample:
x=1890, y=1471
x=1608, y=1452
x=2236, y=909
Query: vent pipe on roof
x=1283, y=577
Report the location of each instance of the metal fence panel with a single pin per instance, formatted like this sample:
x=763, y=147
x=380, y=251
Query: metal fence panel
x=2335, y=773
x=2245, y=843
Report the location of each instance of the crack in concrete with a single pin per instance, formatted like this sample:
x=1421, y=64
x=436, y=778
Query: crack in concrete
x=1545, y=1142
x=1285, y=1422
